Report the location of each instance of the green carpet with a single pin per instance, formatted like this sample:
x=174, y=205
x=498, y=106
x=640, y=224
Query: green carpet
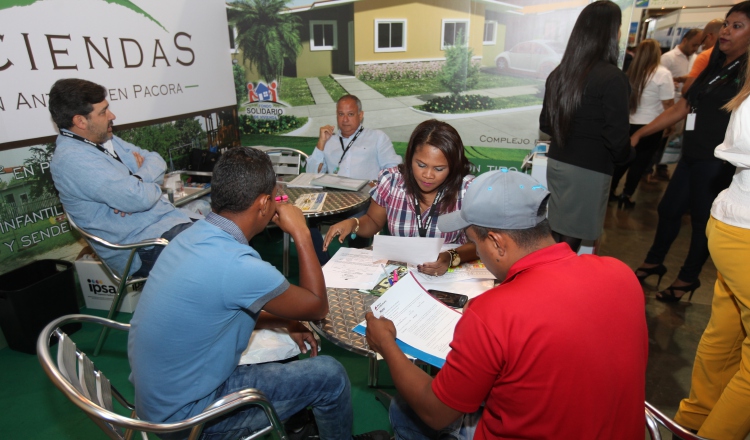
x=32, y=408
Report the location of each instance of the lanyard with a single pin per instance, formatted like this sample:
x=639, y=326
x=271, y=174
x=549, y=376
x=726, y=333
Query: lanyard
x=428, y=220
x=99, y=147
x=722, y=75
x=351, y=142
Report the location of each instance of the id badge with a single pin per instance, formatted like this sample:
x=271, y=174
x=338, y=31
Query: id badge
x=690, y=122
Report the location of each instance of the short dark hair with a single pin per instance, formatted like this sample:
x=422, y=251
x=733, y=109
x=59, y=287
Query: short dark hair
x=446, y=139
x=691, y=33
x=71, y=97
x=353, y=98
x=524, y=238
x=241, y=175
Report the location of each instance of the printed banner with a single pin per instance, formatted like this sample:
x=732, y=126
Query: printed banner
x=156, y=59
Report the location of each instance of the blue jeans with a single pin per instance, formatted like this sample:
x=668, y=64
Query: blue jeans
x=320, y=382
x=693, y=187
x=148, y=256
x=407, y=425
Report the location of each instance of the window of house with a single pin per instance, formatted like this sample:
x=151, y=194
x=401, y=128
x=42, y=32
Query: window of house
x=451, y=31
x=10, y=199
x=490, y=33
x=390, y=35
x=323, y=35
x=24, y=198
x=232, y=36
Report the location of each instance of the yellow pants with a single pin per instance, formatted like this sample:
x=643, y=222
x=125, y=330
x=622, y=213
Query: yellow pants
x=719, y=402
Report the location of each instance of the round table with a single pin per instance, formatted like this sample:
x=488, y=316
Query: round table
x=338, y=201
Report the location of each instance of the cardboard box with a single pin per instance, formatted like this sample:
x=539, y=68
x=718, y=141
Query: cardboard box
x=99, y=289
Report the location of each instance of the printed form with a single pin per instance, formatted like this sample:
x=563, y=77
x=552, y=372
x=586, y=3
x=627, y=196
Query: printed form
x=421, y=321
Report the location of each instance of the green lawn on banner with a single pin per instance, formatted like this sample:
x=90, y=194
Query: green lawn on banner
x=483, y=158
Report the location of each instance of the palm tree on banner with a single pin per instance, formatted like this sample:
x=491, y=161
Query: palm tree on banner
x=265, y=36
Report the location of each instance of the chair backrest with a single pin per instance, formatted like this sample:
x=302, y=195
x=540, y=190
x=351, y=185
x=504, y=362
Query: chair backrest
x=76, y=376
x=133, y=248
x=286, y=161
x=655, y=417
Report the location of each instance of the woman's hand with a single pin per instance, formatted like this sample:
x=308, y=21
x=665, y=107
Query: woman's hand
x=341, y=229
x=635, y=139
x=437, y=267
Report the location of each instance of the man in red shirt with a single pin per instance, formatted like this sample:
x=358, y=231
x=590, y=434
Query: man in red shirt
x=558, y=350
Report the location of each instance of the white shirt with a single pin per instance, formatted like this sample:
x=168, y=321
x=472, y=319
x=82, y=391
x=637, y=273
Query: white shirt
x=732, y=206
x=371, y=152
x=678, y=63
x=659, y=87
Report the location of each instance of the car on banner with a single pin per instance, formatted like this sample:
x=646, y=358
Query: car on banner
x=534, y=57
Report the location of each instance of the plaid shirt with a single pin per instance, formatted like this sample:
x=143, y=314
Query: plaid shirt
x=390, y=193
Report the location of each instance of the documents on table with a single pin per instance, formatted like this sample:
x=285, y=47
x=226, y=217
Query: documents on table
x=304, y=181
x=424, y=325
x=352, y=269
x=465, y=271
x=412, y=250
x=339, y=182
x=311, y=202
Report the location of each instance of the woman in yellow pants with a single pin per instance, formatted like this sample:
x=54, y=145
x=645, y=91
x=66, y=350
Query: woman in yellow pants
x=719, y=402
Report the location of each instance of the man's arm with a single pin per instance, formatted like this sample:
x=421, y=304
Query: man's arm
x=93, y=176
x=316, y=163
x=150, y=167
x=413, y=384
x=309, y=300
x=298, y=332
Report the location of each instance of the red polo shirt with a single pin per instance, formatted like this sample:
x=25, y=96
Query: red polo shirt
x=558, y=350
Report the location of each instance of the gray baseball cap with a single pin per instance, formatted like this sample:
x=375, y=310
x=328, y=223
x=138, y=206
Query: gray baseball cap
x=501, y=199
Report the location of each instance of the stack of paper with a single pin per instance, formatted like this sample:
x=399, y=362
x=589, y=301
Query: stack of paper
x=413, y=310
x=304, y=181
x=312, y=202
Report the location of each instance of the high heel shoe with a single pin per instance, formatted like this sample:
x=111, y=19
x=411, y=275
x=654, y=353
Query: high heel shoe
x=659, y=270
x=667, y=295
x=624, y=202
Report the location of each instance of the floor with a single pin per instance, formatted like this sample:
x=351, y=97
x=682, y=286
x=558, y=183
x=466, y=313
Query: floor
x=32, y=408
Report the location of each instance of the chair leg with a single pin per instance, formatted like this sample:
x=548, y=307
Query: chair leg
x=112, y=312
x=372, y=373
x=285, y=257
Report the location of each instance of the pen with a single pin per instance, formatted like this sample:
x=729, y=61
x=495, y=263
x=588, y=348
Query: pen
x=282, y=198
x=395, y=275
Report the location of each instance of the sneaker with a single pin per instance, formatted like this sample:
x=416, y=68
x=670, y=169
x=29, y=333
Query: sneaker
x=373, y=435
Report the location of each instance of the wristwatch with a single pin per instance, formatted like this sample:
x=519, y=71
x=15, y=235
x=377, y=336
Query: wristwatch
x=455, y=259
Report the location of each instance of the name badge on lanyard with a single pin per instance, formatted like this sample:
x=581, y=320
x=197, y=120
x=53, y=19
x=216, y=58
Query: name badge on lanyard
x=690, y=121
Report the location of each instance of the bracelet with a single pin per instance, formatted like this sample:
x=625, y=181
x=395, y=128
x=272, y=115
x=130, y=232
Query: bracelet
x=353, y=235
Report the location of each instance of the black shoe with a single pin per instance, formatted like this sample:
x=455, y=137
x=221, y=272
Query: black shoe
x=668, y=295
x=624, y=202
x=659, y=270
x=373, y=435
x=613, y=197
x=302, y=426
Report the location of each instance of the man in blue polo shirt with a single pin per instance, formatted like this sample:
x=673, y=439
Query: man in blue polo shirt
x=206, y=294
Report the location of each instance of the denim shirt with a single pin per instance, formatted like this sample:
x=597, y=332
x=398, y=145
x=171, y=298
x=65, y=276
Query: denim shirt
x=369, y=154
x=92, y=185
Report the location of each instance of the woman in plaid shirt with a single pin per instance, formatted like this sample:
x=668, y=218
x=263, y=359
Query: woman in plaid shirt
x=431, y=181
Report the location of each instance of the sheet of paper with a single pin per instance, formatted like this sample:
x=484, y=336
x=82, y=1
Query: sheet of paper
x=352, y=269
x=411, y=250
x=421, y=321
x=311, y=202
x=470, y=288
x=303, y=181
x=465, y=271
